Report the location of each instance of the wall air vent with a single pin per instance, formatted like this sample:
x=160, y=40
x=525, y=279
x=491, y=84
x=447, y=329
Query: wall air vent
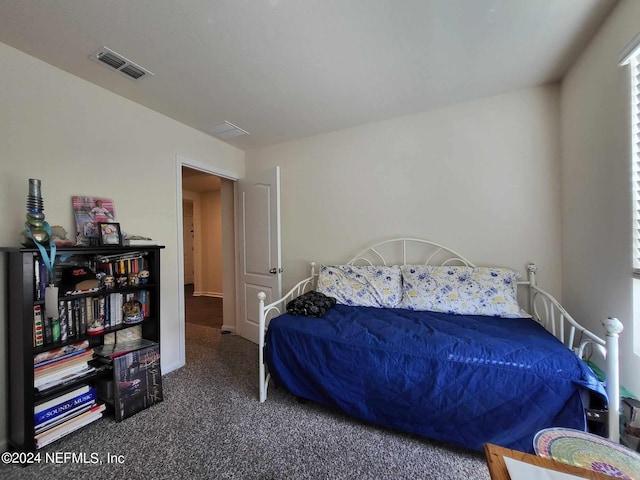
x=120, y=64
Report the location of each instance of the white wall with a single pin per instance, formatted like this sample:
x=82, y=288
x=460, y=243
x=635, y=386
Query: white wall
x=596, y=186
x=227, y=202
x=481, y=177
x=211, y=244
x=81, y=139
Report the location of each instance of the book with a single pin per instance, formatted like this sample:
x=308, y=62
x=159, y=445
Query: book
x=69, y=318
x=137, y=381
x=38, y=328
x=115, y=309
x=64, y=330
x=36, y=275
x=73, y=317
x=62, y=398
x=139, y=242
x=64, y=406
x=56, y=433
x=55, y=329
x=47, y=378
x=116, y=349
x=131, y=332
x=48, y=332
x=87, y=310
x=68, y=415
x=40, y=277
x=101, y=310
x=58, y=365
x=65, y=380
x=69, y=348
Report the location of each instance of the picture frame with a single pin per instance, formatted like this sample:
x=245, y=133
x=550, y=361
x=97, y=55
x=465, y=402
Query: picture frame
x=88, y=211
x=109, y=234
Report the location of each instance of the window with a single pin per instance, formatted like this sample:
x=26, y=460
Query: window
x=631, y=56
x=635, y=158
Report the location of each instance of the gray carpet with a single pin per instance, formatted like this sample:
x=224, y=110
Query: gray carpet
x=212, y=426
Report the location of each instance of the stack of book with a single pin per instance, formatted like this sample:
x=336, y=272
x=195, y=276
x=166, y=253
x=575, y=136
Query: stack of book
x=62, y=366
x=65, y=413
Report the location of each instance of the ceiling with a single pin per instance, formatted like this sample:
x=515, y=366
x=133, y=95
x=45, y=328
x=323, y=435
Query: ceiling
x=288, y=69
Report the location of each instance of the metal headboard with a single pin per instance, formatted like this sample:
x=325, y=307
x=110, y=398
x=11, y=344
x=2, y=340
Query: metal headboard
x=403, y=251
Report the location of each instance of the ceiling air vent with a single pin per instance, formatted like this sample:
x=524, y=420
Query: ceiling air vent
x=120, y=64
x=227, y=130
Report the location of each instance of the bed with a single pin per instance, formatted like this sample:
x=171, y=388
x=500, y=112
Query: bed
x=422, y=340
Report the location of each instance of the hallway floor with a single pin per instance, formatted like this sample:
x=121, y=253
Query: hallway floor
x=206, y=311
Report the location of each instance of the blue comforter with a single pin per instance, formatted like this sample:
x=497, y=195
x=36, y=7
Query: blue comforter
x=466, y=380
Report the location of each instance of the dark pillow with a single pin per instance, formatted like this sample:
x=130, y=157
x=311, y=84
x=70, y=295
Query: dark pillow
x=310, y=304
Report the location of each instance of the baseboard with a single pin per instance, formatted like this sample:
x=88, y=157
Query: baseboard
x=207, y=294
x=226, y=328
x=172, y=367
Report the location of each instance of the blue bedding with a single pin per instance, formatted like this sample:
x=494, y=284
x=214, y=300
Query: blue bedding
x=466, y=380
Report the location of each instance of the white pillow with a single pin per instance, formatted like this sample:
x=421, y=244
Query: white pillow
x=364, y=286
x=460, y=290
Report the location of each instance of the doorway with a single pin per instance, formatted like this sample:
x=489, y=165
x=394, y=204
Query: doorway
x=207, y=248
x=202, y=226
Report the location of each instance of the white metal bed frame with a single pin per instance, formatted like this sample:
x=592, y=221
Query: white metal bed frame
x=543, y=307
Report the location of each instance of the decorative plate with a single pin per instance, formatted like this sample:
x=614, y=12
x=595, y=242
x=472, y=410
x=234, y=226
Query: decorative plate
x=587, y=451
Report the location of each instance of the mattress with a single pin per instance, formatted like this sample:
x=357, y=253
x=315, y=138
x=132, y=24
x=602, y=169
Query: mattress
x=466, y=380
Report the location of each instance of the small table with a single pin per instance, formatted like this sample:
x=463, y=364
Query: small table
x=498, y=469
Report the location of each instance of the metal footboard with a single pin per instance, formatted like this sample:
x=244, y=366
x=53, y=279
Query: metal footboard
x=551, y=314
x=278, y=307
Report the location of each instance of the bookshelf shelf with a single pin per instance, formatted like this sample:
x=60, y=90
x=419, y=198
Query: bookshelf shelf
x=41, y=396
x=24, y=297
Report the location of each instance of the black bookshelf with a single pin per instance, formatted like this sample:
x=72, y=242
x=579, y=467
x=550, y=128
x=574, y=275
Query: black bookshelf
x=21, y=298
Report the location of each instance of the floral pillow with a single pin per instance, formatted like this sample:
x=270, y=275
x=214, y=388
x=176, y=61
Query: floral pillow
x=461, y=290
x=363, y=286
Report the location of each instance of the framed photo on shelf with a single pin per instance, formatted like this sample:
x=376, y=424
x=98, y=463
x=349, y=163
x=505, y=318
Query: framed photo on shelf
x=109, y=233
x=88, y=212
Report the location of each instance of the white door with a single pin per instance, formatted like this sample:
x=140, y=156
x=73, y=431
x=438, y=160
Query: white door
x=187, y=242
x=259, y=246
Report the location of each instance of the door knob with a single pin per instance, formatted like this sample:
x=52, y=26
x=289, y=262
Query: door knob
x=273, y=271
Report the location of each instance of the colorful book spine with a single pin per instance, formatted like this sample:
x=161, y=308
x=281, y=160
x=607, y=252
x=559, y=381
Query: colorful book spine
x=62, y=357
x=59, y=352
x=69, y=426
x=38, y=328
x=78, y=312
x=54, y=377
x=55, y=330
x=68, y=415
x=67, y=316
x=62, y=398
x=102, y=312
x=107, y=312
x=48, y=332
x=142, y=297
x=67, y=379
x=72, y=315
x=64, y=406
x=60, y=364
x=43, y=278
x=36, y=274
x=64, y=330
